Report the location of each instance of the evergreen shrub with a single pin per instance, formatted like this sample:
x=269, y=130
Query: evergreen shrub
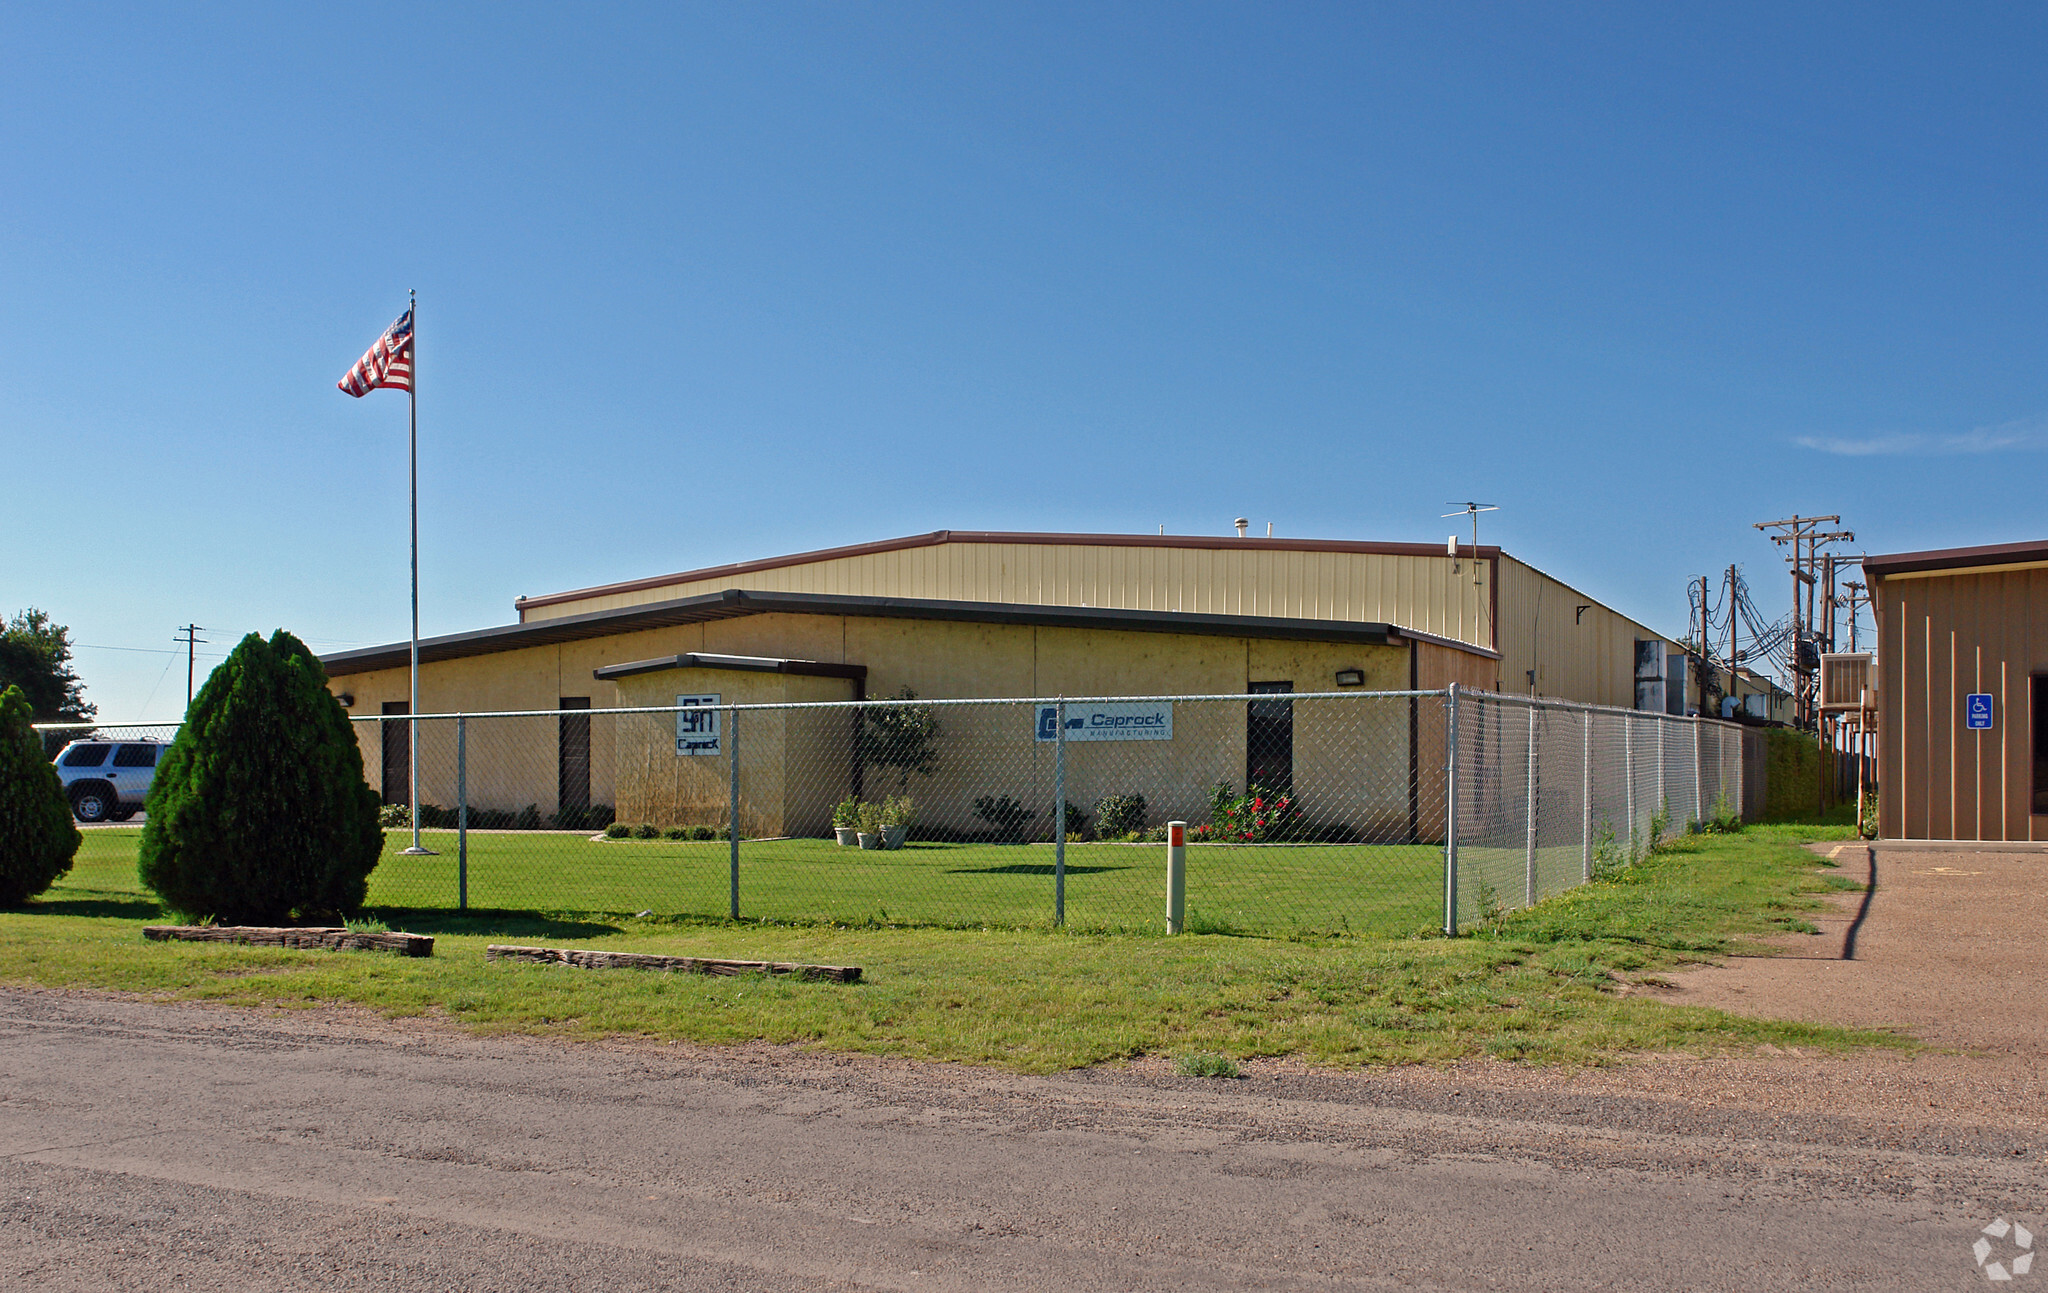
x=37, y=839
x=259, y=813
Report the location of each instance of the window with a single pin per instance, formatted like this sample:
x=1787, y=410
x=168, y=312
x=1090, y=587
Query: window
x=135, y=756
x=87, y=756
x=2040, y=717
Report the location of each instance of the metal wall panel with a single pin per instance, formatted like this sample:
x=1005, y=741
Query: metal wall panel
x=1943, y=635
x=1420, y=593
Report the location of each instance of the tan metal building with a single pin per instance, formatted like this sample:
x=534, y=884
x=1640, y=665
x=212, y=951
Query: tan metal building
x=1962, y=692
x=960, y=615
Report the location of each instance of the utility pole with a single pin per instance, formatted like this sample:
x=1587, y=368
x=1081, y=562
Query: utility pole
x=1806, y=537
x=1734, y=666
x=1855, y=597
x=1702, y=654
x=192, y=642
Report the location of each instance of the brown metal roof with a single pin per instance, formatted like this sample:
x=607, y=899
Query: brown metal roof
x=735, y=603
x=939, y=537
x=1997, y=554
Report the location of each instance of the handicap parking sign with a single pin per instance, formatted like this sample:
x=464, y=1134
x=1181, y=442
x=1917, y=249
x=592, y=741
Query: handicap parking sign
x=1977, y=710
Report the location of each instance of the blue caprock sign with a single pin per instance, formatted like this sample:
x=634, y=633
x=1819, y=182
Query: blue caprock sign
x=1144, y=720
x=1977, y=711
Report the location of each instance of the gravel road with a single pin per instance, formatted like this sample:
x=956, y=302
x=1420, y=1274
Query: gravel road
x=153, y=1146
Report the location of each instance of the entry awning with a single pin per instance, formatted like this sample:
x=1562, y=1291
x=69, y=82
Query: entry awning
x=742, y=663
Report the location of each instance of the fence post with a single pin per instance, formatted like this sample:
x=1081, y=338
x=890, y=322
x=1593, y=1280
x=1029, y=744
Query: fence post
x=1059, y=812
x=1699, y=778
x=732, y=737
x=1586, y=799
x=1529, y=817
x=461, y=813
x=1176, y=876
x=1628, y=760
x=1451, y=816
x=1662, y=728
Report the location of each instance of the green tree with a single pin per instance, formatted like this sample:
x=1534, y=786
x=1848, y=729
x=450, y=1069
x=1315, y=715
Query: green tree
x=37, y=839
x=35, y=655
x=259, y=812
x=900, y=738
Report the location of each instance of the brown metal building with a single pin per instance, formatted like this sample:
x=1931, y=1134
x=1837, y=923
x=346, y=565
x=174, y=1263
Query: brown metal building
x=1953, y=625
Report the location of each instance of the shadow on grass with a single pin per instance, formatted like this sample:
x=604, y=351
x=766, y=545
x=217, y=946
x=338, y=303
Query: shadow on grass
x=1031, y=868
x=112, y=908
x=510, y=924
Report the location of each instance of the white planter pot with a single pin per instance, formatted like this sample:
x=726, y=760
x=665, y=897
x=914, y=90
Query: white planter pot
x=870, y=840
x=846, y=835
x=893, y=836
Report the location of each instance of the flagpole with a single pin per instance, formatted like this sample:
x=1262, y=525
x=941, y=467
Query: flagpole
x=412, y=401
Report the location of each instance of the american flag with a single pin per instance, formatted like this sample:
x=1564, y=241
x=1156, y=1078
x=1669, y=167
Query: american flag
x=388, y=363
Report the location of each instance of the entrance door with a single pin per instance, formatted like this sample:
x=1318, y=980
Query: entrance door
x=572, y=779
x=1269, y=738
x=397, y=755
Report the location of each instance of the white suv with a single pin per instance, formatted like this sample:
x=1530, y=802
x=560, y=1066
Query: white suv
x=107, y=781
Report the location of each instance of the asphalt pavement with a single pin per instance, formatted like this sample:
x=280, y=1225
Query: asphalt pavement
x=148, y=1145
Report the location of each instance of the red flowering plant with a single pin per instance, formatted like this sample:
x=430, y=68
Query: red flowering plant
x=1256, y=816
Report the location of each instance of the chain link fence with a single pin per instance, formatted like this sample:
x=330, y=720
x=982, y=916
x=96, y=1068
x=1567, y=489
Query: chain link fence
x=1382, y=812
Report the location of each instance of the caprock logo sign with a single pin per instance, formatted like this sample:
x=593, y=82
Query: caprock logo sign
x=2004, y=1249
x=1140, y=720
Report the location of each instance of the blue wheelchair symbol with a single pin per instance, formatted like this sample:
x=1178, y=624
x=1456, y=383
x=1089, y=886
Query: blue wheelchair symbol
x=1977, y=711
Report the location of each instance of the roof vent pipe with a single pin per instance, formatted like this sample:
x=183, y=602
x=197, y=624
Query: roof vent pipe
x=1242, y=524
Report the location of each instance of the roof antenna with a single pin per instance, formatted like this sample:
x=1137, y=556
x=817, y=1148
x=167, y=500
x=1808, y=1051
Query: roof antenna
x=1242, y=525
x=1473, y=510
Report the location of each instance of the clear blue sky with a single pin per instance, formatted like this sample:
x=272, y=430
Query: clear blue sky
x=706, y=283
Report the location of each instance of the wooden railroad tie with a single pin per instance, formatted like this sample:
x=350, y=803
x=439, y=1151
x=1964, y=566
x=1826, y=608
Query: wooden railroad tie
x=589, y=960
x=315, y=938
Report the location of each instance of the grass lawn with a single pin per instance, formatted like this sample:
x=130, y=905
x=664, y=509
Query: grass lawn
x=1533, y=986
x=1365, y=888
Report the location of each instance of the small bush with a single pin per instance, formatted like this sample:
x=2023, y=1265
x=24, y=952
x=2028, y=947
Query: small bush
x=617, y=831
x=1117, y=815
x=1203, y=1064
x=393, y=817
x=846, y=813
x=676, y=833
x=259, y=812
x=647, y=831
x=1255, y=816
x=1005, y=815
x=706, y=833
x=37, y=839
x=1077, y=821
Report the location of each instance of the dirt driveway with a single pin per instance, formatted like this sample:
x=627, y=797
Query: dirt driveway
x=1950, y=946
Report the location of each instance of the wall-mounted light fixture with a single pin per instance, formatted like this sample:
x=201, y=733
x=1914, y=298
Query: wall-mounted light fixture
x=1351, y=677
x=347, y=699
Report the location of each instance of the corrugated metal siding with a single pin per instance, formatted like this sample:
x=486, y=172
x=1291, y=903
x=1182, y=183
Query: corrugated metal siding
x=1943, y=636
x=1588, y=657
x=1419, y=593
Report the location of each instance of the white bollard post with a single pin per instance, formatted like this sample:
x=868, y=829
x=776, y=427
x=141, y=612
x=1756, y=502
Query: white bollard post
x=1176, y=877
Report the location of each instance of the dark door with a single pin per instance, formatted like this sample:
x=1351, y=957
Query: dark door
x=572, y=782
x=397, y=755
x=1269, y=738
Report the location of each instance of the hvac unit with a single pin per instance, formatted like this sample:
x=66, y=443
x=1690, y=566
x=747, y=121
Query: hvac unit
x=1848, y=681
